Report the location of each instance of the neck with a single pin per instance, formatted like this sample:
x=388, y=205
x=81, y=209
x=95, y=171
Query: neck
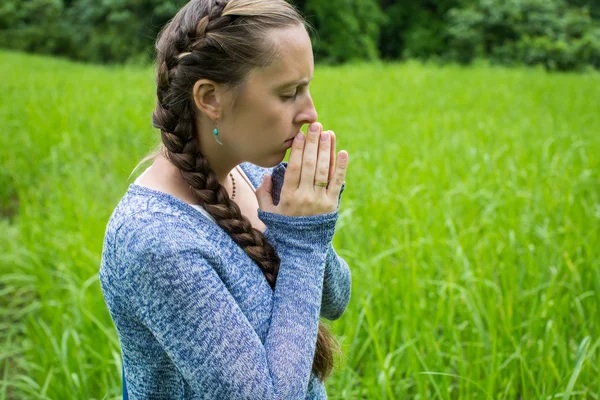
x=170, y=174
x=218, y=157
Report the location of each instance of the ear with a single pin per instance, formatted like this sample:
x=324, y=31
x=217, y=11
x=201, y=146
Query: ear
x=207, y=98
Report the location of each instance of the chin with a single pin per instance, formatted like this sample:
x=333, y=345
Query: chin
x=270, y=161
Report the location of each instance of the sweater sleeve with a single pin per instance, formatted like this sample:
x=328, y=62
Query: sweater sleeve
x=337, y=285
x=178, y=295
x=337, y=280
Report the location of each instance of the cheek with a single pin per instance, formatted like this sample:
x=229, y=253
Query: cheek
x=275, y=123
x=266, y=122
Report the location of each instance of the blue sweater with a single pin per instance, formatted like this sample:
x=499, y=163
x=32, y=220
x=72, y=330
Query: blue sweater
x=196, y=317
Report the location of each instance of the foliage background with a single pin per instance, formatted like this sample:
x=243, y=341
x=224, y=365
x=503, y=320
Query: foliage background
x=558, y=34
x=471, y=221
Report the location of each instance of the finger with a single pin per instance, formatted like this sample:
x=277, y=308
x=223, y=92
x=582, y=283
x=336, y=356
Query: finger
x=323, y=161
x=340, y=175
x=263, y=194
x=291, y=178
x=331, y=155
x=309, y=159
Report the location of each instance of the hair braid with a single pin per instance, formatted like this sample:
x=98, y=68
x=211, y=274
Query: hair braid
x=186, y=51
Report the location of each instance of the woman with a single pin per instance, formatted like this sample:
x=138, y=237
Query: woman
x=215, y=277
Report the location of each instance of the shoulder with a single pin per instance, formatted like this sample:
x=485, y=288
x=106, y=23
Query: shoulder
x=144, y=209
x=143, y=227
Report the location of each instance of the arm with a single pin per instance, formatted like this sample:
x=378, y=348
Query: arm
x=338, y=280
x=337, y=286
x=179, y=296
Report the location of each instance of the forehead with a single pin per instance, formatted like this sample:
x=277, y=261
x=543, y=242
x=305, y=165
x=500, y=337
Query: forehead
x=294, y=60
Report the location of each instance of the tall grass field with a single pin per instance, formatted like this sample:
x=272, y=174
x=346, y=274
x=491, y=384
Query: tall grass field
x=470, y=221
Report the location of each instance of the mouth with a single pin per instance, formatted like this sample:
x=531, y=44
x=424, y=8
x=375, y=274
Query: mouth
x=290, y=140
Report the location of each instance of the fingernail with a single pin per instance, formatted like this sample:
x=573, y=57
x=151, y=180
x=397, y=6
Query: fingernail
x=343, y=156
x=300, y=136
x=324, y=136
x=314, y=128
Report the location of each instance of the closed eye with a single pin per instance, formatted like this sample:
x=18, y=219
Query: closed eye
x=290, y=96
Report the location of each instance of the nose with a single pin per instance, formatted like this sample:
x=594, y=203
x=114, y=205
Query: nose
x=309, y=114
x=313, y=115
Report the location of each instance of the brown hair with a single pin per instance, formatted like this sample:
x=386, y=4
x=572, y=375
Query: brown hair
x=222, y=41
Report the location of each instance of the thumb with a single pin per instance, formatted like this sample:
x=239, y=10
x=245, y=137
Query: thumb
x=263, y=194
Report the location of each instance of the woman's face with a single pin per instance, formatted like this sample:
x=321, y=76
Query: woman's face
x=274, y=103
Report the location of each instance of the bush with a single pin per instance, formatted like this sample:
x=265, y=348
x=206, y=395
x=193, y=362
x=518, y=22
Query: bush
x=524, y=31
x=33, y=25
x=414, y=29
x=347, y=29
x=464, y=31
x=97, y=31
x=587, y=49
x=559, y=34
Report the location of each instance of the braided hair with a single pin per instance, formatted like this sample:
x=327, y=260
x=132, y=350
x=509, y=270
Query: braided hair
x=221, y=40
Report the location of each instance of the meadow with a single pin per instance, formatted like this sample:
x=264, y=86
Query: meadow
x=470, y=221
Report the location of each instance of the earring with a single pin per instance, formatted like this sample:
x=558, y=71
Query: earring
x=216, y=133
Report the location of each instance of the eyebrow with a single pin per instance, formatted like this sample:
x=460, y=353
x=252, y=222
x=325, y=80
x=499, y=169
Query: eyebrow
x=301, y=82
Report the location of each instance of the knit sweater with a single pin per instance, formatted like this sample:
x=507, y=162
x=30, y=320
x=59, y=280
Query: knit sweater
x=196, y=317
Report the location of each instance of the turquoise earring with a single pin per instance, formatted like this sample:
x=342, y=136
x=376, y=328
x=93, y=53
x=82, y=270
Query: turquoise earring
x=216, y=134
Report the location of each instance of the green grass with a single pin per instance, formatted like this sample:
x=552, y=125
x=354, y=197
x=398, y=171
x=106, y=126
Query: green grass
x=470, y=221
